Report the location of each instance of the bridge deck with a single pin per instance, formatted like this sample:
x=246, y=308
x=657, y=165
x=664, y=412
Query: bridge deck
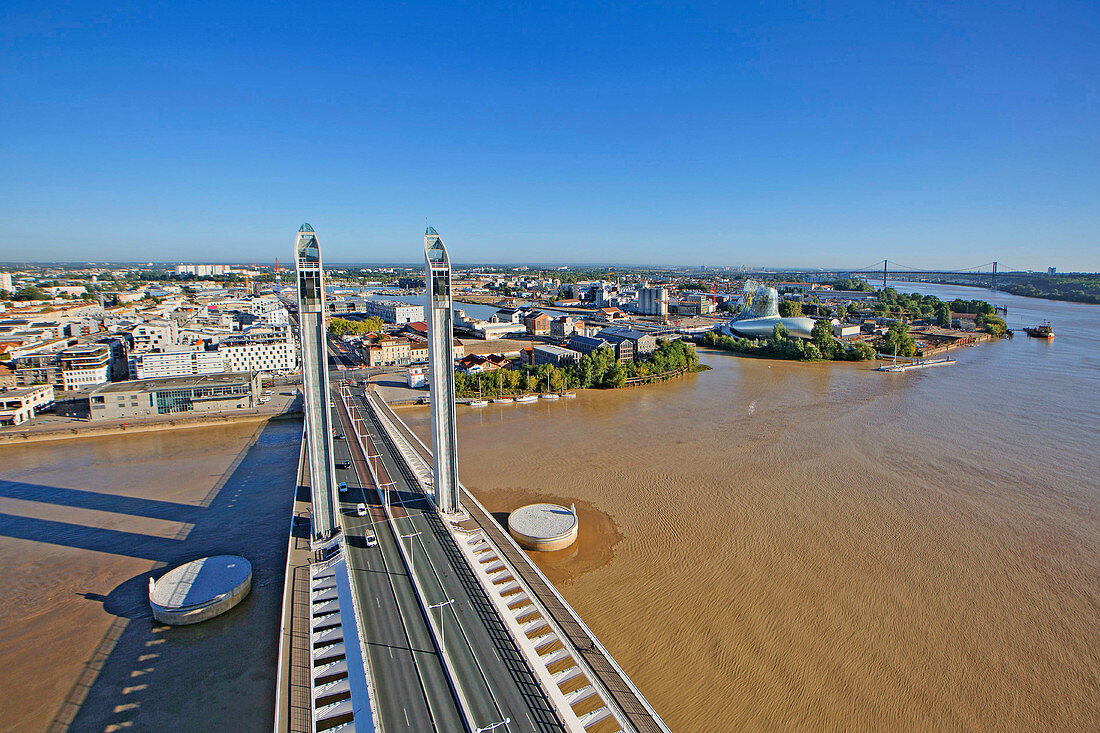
x=595, y=656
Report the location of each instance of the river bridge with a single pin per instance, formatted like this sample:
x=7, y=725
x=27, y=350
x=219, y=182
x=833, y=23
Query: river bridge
x=985, y=274
x=400, y=615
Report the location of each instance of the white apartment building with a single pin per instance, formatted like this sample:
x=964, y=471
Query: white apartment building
x=84, y=366
x=203, y=270
x=17, y=406
x=155, y=335
x=276, y=353
x=269, y=309
x=390, y=311
x=5, y=282
x=176, y=363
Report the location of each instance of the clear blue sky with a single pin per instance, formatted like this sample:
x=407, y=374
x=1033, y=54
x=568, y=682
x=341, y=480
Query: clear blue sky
x=720, y=133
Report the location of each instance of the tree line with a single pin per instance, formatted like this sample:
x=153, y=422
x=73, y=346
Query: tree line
x=599, y=369
x=340, y=327
x=779, y=344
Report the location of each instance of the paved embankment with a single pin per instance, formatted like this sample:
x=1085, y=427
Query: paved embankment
x=37, y=434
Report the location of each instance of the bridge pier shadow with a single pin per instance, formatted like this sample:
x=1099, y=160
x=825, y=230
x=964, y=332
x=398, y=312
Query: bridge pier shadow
x=220, y=674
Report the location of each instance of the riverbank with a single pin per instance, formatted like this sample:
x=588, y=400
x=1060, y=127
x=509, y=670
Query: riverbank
x=41, y=433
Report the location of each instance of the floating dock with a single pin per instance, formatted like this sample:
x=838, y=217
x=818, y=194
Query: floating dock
x=920, y=364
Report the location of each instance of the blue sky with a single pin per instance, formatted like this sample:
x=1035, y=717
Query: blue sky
x=836, y=134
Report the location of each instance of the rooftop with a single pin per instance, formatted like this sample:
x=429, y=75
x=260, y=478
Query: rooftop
x=188, y=382
x=551, y=349
x=10, y=394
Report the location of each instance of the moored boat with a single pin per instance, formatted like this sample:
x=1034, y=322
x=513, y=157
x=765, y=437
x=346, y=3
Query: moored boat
x=480, y=401
x=1043, y=331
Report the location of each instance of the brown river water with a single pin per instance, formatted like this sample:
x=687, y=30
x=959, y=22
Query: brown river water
x=764, y=546
x=781, y=546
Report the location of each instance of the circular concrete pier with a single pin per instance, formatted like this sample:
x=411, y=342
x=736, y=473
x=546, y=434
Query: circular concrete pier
x=200, y=590
x=543, y=527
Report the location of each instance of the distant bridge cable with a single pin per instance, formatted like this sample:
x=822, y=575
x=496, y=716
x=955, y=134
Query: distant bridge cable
x=876, y=267
x=973, y=268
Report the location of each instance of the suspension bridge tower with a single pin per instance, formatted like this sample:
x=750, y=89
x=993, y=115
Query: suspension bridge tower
x=315, y=383
x=437, y=279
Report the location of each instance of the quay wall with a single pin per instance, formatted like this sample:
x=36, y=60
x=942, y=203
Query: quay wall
x=89, y=430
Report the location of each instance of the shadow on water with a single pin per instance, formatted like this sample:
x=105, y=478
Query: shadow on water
x=217, y=675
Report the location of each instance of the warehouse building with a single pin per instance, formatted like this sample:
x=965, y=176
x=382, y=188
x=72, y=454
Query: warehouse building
x=195, y=394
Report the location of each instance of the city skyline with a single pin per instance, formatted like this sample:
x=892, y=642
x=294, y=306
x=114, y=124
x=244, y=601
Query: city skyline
x=937, y=136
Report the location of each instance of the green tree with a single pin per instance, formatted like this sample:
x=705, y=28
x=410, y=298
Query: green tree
x=991, y=324
x=31, y=293
x=897, y=336
x=822, y=337
x=943, y=315
x=615, y=376
x=557, y=380
x=790, y=308
x=340, y=327
x=859, y=351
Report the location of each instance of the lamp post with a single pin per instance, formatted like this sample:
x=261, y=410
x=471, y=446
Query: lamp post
x=494, y=726
x=412, y=560
x=440, y=606
x=386, y=493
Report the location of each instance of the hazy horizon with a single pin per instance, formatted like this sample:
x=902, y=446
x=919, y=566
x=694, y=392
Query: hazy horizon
x=531, y=265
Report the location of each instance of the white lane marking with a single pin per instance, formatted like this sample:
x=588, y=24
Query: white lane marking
x=406, y=717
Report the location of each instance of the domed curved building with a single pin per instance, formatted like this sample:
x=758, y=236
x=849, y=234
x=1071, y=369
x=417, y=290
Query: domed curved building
x=759, y=315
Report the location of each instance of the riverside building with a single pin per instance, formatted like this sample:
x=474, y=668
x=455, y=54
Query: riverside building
x=390, y=311
x=17, y=406
x=274, y=352
x=169, y=395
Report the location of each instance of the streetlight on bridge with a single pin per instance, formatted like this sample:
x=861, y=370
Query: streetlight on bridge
x=440, y=606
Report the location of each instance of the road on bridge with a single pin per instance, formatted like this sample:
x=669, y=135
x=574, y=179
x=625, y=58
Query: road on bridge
x=409, y=679
x=488, y=665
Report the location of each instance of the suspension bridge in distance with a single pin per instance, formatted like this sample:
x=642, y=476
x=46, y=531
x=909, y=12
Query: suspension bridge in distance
x=984, y=275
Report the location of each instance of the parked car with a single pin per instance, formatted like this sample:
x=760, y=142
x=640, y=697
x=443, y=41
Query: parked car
x=343, y=487
x=338, y=436
x=344, y=464
x=361, y=509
